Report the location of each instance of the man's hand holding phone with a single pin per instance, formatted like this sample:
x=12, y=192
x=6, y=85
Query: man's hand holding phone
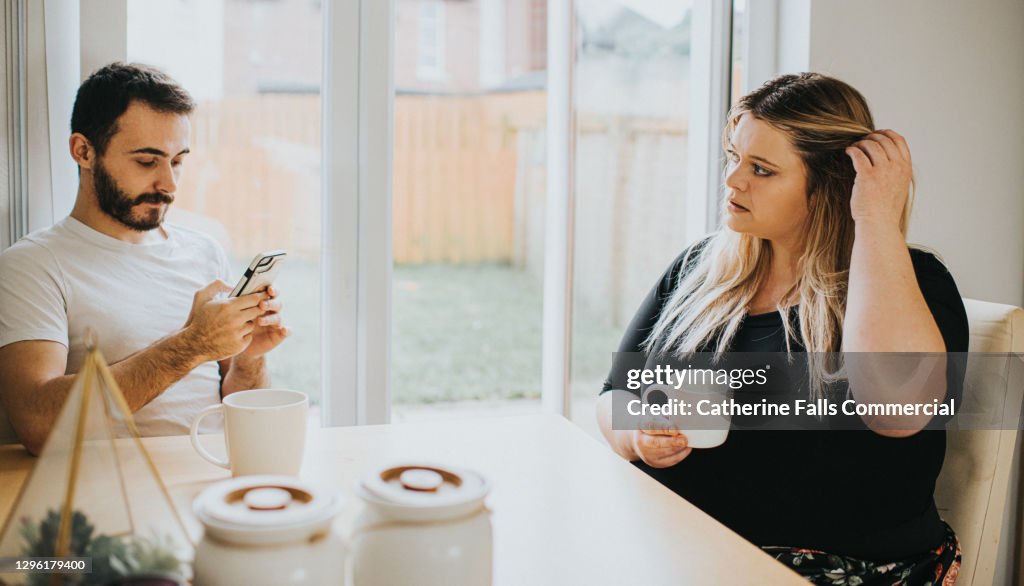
x=269, y=332
x=243, y=321
x=220, y=327
x=259, y=277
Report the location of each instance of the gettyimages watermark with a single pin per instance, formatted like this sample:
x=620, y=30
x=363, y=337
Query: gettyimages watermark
x=815, y=391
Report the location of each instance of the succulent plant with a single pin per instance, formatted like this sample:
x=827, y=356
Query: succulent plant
x=148, y=556
x=115, y=560
x=40, y=540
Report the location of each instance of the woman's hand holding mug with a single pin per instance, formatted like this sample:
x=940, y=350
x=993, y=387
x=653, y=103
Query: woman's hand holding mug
x=659, y=443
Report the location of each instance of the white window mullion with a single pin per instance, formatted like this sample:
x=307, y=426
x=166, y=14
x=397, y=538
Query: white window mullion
x=558, y=219
x=356, y=262
x=339, y=306
x=709, y=103
x=376, y=145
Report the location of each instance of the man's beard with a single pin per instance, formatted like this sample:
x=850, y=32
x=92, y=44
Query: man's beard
x=119, y=205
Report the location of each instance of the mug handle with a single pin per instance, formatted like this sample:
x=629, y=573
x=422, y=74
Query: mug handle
x=194, y=436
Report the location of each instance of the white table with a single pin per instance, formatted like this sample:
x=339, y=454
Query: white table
x=566, y=509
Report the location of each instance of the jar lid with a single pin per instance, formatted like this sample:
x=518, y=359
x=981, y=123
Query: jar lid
x=265, y=509
x=423, y=491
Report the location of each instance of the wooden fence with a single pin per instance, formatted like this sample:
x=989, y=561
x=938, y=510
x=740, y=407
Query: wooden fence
x=256, y=173
x=455, y=175
x=468, y=186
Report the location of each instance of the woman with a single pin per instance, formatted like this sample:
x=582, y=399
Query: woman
x=812, y=256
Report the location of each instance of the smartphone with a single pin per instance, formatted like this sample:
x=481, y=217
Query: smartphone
x=261, y=273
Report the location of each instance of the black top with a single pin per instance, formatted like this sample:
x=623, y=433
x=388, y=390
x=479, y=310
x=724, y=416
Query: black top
x=854, y=492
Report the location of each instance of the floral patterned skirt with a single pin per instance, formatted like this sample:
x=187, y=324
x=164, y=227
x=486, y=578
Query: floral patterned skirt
x=937, y=567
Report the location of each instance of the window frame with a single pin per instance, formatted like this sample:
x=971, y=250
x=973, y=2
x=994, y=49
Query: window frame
x=13, y=131
x=358, y=93
x=41, y=75
x=711, y=70
x=761, y=56
x=357, y=103
x=356, y=97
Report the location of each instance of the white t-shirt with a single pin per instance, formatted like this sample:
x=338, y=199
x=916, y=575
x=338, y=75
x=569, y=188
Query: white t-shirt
x=57, y=282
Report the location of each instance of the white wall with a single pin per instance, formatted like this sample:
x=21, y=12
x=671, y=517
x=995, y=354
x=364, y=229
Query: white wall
x=949, y=75
x=794, y=35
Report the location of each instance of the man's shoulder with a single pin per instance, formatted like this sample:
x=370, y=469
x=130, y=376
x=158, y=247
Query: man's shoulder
x=36, y=248
x=32, y=276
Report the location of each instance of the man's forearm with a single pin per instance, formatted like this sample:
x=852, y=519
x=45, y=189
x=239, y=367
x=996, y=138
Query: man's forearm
x=143, y=376
x=245, y=374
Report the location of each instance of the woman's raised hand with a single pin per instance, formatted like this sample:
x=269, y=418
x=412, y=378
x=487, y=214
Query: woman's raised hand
x=659, y=443
x=884, y=172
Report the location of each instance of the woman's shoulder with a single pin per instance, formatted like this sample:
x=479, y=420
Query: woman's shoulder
x=676, y=272
x=688, y=258
x=942, y=296
x=931, y=270
x=926, y=259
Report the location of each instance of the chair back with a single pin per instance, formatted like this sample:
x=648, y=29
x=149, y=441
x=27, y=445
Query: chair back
x=971, y=492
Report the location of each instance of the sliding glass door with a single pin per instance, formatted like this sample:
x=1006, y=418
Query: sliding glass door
x=402, y=152
x=468, y=207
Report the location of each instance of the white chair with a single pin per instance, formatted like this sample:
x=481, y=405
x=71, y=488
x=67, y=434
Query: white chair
x=974, y=489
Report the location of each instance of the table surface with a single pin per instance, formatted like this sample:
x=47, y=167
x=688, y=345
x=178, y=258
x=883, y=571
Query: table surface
x=565, y=508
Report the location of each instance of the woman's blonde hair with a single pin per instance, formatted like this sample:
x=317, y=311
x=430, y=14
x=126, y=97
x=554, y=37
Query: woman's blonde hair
x=821, y=116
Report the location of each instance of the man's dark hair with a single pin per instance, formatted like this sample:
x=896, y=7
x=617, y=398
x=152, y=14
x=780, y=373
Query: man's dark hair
x=107, y=93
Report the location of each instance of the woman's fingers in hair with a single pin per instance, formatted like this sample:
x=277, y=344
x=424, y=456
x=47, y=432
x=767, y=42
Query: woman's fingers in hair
x=873, y=150
x=861, y=162
x=879, y=148
x=901, y=143
x=892, y=152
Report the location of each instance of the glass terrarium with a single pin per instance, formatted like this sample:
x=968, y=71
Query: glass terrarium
x=95, y=494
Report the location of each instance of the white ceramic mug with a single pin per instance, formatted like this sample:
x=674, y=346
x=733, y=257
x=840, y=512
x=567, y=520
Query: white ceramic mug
x=701, y=431
x=264, y=429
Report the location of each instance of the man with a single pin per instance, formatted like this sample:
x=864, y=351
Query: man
x=115, y=267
